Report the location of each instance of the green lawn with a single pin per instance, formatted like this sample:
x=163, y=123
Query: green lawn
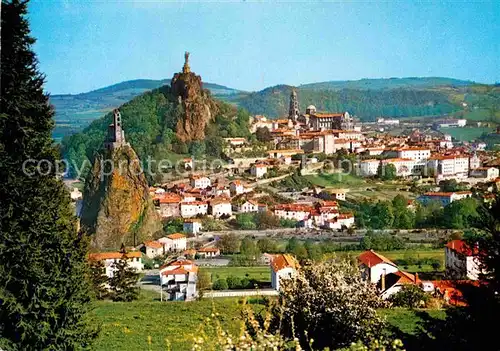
x=259, y=273
x=466, y=133
x=127, y=326
x=336, y=180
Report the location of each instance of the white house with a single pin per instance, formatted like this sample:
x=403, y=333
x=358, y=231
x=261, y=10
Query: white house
x=200, y=182
x=188, y=163
x=394, y=282
x=384, y=273
x=374, y=265
x=221, y=207
x=282, y=267
x=461, y=261
x=134, y=260
x=338, y=194
x=178, y=279
x=152, y=249
x=192, y=226
x=258, y=170
x=445, y=198
x=236, y=187
x=193, y=208
x=292, y=211
x=248, y=206
x=174, y=242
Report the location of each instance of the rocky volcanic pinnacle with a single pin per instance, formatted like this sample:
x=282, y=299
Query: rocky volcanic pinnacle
x=197, y=106
x=117, y=208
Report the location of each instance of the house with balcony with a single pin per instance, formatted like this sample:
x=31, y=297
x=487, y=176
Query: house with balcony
x=178, y=280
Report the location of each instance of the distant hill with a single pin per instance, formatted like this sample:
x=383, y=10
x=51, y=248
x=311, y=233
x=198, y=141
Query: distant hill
x=74, y=112
x=365, y=104
x=388, y=83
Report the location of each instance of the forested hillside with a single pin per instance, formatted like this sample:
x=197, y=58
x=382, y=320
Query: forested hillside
x=366, y=104
x=388, y=83
x=149, y=122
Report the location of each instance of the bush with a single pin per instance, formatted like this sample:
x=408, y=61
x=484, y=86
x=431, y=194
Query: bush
x=246, y=283
x=233, y=282
x=220, y=284
x=410, y=296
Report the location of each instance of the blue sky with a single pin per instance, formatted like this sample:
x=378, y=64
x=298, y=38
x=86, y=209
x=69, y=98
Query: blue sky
x=85, y=45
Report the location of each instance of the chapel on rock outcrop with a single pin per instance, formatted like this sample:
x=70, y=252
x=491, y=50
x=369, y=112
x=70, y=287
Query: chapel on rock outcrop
x=116, y=134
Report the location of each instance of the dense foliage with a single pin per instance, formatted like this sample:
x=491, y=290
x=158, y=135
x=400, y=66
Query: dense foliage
x=328, y=305
x=397, y=214
x=44, y=294
x=123, y=283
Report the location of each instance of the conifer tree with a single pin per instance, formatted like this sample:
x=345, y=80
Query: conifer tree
x=44, y=295
x=99, y=280
x=123, y=284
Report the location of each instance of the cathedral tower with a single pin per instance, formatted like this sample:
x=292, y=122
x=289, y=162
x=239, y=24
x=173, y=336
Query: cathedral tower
x=293, y=112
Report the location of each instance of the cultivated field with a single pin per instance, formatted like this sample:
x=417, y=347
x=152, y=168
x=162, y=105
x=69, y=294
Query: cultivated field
x=466, y=133
x=259, y=273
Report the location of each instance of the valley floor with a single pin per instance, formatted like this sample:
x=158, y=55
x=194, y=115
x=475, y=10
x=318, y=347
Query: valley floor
x=148, y=324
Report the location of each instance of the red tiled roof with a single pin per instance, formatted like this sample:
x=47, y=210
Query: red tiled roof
x=462, y=247
x=293, y=208
x=283, y=261
x=370, y=258
x=176, y=236
x=153, y=244
x=99, y=256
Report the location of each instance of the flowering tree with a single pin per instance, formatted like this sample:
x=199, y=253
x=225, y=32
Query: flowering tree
x=328, y=305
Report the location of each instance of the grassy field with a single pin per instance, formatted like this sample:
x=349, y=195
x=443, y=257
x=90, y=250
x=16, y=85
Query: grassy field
x=259, y=273
x=467, y=133
x=336, y=180
x=128, y=326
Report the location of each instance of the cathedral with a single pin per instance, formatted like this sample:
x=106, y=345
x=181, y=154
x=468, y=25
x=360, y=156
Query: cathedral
x=318, y=121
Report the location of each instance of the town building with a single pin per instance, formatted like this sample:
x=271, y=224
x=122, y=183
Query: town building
x=258, y=170
x=152, y=249
x=461, y=261
x=174, y=242
x=220, y=207
x=133, y=259
x=445, y=198
x=414, y=153
x=192, y=226
x=188, y=164
x=168, y=204
x=373, y=266
x=448, y=166
x=486, y=173
x=193, y=208
x=248, y=206
x=450, y=123
x=178, y=279
x=292, y=211
x=283, y=266
x=236, y=187
x=200, y=182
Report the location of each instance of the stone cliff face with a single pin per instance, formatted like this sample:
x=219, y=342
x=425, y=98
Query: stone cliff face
x=116, y=207
x=197, y=106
